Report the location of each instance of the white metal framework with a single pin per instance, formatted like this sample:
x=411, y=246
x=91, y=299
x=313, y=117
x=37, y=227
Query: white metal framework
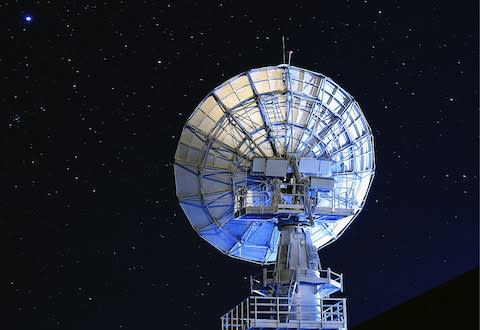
x=258, y=312
x=269, y=144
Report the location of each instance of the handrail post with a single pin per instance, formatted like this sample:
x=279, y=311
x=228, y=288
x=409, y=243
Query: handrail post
x=241, y=313
x=341, y=282
x=235, y=325
x=278, y=312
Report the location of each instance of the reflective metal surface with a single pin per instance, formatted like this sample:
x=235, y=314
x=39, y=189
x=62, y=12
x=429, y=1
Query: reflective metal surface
x=269, y=144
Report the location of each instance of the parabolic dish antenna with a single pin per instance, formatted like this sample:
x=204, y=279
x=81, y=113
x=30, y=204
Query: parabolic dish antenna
x=270, y=145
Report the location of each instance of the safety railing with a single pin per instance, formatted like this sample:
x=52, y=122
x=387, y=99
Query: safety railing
x=269, y=277
x=294, y=201
x=281, y=312
x=330, y=275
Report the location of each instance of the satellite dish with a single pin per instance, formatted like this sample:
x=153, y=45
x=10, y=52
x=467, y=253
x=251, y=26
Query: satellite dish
x=251, y=132
x=272, y=165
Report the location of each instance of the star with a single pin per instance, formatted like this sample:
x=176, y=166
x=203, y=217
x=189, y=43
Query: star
x=28, y=18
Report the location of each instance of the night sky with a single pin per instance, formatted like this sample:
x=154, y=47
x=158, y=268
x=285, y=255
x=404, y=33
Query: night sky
x=94, y=96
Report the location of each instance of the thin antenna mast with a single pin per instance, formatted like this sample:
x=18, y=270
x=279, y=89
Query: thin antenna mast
x=283, y=52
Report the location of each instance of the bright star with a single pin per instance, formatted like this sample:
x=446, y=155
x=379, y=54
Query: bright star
x=28, y=18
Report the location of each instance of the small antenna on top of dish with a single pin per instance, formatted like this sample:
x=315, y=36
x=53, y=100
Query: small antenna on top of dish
x=290, y=52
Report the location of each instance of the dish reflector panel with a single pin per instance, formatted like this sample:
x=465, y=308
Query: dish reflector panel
x=258, y=139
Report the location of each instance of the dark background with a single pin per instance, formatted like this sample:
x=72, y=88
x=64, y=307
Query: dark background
x=439, y=308
x=94, y=96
